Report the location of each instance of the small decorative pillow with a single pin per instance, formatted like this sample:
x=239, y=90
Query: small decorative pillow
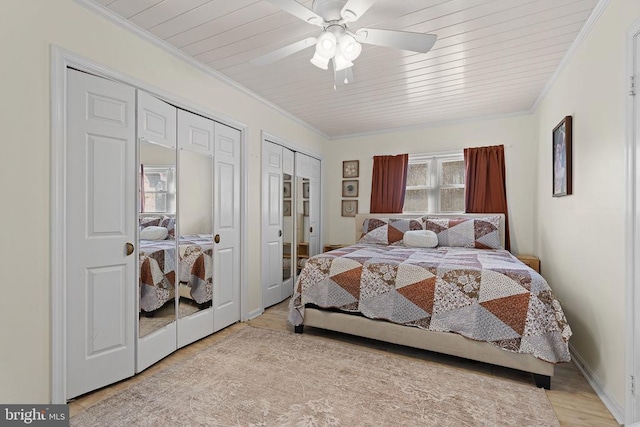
x=420, y=239
x=153, y=232
x=387, y=231
x=481, y=233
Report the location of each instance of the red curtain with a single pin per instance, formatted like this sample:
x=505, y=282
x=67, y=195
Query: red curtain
x=486, y=189
x=388, y=184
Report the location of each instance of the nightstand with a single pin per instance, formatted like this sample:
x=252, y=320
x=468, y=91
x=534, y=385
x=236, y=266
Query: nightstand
x=328, y=248
x=530, y=260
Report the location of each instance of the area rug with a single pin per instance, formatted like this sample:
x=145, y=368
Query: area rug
x=259, y=377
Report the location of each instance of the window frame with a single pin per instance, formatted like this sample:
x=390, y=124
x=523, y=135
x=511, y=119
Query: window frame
x=435, y=185
x=170, y=192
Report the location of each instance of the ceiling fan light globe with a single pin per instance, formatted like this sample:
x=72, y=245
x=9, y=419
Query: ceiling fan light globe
x=320, y=62
x=326, y=45
x=340, y=62
x=351, y=49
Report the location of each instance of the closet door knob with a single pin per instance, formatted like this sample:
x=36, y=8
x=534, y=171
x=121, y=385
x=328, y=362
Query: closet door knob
x=129, y=248
x=216, y=238
x=279, y=233
x=310, y=229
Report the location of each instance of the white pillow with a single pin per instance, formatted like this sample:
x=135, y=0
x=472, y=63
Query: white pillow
x=154, y=233
x=420, y=239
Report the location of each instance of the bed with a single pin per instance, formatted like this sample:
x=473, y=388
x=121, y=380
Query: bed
x=478, y=302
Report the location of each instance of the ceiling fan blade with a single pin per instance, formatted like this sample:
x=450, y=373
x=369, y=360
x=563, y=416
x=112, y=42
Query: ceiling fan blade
x=283, y=52
x=416, y=42
x=354, y=9
x=299, y=11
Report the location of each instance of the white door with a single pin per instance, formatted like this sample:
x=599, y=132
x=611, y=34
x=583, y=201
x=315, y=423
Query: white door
x=288, y=233
x=195, y=217
x=314, y=207
x=226, y=227
x=632, y=401
x=272, y=223
x=156, y=145
x=101, y=213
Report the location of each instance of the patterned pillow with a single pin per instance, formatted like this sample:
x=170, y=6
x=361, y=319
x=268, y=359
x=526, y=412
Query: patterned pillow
x=170, y=224
x=481, y=233
x=388, y=231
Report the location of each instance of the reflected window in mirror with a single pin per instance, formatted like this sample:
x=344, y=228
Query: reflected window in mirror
x=158, y=189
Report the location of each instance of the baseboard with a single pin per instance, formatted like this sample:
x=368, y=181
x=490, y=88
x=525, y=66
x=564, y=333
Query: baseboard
x=255, y=313
x=605, y=395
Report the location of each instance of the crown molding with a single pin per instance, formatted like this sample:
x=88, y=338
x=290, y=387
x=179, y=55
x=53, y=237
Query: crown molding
x=168, y=48
x=582, y=35
x=452, y=122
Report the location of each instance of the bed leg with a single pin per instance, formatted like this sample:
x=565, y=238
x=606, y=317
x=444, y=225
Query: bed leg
x=542, y=381
x=298, y=329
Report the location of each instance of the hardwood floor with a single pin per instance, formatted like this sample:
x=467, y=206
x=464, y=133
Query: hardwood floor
x=573, y=400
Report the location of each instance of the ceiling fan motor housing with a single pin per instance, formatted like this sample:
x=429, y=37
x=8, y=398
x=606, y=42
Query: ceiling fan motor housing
x=329, y=10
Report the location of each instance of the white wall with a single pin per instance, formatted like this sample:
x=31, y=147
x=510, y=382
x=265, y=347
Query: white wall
x=580, y=238
x=195, y=193
x=27, y=31
x=517, y=134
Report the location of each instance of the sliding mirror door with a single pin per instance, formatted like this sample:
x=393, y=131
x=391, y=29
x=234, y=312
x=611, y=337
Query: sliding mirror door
x=157, y=244
x=307, y=209
x=195, y=225
x=157, y=249
x=288, y=266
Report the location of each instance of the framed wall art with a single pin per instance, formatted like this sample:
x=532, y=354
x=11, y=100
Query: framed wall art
x=305, y=208
x=562, y=162
x=305, y=190
x=286, y=208
x=286, y=192
x=351, y=168
x=350, y=188
x=349, y=208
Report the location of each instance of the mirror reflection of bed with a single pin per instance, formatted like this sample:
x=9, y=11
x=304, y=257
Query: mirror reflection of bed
x=157, y=245
x=195, y=222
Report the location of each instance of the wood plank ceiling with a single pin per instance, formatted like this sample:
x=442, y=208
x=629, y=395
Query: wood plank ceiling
x=492, y=57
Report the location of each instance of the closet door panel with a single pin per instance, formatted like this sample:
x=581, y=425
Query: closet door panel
x=157, y=258
x=101, y=216
x=195, y=133
x=314, y=207
x=156, y=120
x=272, y=223
x=287, y=226
x=226, y=220
x=287, y=161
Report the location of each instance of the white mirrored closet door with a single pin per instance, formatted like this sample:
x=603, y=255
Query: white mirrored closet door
x=157, y=248
x=278, y=217
x=307, y=208
x=288, y=230
x=195, y=227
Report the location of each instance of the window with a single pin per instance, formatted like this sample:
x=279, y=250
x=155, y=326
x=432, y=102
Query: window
x=435, y=184
x=159, y=189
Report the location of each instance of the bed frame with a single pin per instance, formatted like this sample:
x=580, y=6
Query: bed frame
x=440, y=342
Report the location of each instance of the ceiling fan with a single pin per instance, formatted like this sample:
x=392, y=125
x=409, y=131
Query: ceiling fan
x=337, y=43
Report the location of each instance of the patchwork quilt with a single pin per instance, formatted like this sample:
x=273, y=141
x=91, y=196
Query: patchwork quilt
x=157, y=273
x=482, y=294
x=196, y=266
x=158, y=270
